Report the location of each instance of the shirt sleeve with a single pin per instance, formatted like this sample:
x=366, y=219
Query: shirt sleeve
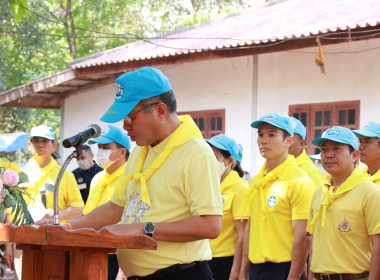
x=71, y=195
x=372, y=213
x=302, y=191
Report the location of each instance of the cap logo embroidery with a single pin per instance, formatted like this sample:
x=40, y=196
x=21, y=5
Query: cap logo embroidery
x=219, y=137
x=344, y=226
x=272, y=201
x=272, y=115
x=119, y=90
x=332, y=131
x=106, y=130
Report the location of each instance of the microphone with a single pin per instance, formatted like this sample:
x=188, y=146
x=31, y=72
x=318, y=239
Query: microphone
x=92, y=131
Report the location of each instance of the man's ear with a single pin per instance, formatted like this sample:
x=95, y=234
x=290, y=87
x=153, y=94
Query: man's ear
x=54, y=145
x=355, y=155
x=289, y=141
x=162, y=110
x=303, y=144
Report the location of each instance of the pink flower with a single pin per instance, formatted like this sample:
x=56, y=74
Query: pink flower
x=10, y=178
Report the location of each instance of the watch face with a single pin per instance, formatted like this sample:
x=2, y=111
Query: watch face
x=149, y=227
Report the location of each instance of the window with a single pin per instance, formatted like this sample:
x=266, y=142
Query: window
x=210, y=122
x=320, y=116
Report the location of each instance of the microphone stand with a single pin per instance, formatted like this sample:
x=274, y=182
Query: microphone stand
x=74, y=154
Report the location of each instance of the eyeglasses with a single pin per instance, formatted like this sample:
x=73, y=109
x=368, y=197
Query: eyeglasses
x=128, y=119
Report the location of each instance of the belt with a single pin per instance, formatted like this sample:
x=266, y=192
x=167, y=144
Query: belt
x=343, y=276
x=164, y=272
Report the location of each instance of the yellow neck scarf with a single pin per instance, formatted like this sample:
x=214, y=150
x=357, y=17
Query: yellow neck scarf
x=356, y=178
x=232, y=179
x=187, y=131
x=373, y=177
x=261, y=180
x=302, y=158
x=106, y=182
x=35, y=183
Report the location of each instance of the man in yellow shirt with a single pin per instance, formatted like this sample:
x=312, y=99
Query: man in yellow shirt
x=298, y=151
x=42, y=171
x=171, y=187
x=113, y=153
x=369, y=149
x=344, y=213
x=275, y=245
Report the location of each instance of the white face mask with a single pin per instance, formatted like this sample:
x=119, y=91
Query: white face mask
x=103, y=158
x=222, y=168
x=84, y=164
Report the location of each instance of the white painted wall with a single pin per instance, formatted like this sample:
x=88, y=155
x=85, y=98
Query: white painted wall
x=285, y=78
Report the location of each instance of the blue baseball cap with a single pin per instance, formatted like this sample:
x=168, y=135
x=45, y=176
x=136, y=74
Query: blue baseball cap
x=42, y=131
x=134, y=86
x=298, y=127
x=338, y=134
x=225, y=143
x=277, y=120
x=371, y=129
x=113, y=134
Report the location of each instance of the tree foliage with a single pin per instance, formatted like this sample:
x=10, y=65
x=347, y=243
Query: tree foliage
x=39, y=37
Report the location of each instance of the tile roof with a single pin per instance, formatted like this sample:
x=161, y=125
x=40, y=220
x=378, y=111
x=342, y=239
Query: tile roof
x=269, y=25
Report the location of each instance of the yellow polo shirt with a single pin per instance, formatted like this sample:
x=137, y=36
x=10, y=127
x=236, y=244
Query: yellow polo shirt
x=308, y=166
x=287, y=197
x=102, y=188
x=187, y=184
x=375, y=177
x=69, y=194
x=343, y=245
x=233, y=189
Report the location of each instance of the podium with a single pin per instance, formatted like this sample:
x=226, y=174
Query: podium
x=53, y=253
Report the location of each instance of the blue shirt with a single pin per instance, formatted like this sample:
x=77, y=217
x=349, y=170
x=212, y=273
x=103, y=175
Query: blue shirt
x=84, y=177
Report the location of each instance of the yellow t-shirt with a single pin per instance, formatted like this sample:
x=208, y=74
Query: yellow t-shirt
x=287, y=197
x=102, y=188
x=343, y=245
x=375, y=177
x=308, y=166
x=187, y=184
x=233, y=189
x=69, y=194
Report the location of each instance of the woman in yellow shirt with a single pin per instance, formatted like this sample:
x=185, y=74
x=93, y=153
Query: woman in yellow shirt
x=227, y=248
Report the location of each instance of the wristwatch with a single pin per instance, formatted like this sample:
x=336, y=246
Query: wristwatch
x=149, y=229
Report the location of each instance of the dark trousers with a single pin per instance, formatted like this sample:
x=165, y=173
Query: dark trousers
x=198, y=271
x=113, y=266
x=271, y=271
x=221, y=267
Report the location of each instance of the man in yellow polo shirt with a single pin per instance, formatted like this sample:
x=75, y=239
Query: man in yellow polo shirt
x=275, y=245
x=369, y=149
x=113, y=153
x=42, y=171
x=171, y=187
x=344, y=213
x=302, y=159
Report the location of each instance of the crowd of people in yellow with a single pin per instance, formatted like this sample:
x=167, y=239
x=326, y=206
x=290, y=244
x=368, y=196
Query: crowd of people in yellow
x=288, y=223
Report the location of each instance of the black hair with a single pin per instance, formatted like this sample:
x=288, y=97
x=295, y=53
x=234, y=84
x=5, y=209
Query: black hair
x=87, y=148
x=238, y=169
x=285, y=134
x=168, y=98
x=119, y=146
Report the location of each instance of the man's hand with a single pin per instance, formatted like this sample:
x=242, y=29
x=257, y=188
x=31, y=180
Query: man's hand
x=45, y=221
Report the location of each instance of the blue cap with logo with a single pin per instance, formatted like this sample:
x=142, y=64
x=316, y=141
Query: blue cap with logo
x=225, y=143
x=338, y=134
x=42, y=131
x=371, y=129
x=113, y=134
x=134, y=86
x=298, y=127
x=277, y=120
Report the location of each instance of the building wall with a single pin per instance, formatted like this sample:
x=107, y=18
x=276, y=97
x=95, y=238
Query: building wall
x=284, y=78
